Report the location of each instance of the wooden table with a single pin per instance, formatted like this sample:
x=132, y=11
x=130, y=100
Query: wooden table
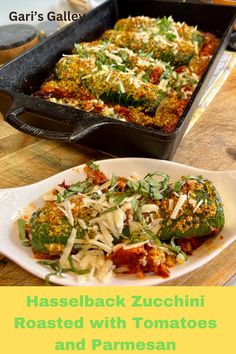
x=211, y=144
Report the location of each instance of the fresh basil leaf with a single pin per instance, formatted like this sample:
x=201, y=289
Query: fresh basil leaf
x=120, y=198
x=80, y=233
x=191, y=81
x=152, y=236
x=54, y=265
x=21, y=226
x=177, y=249
x=113, y=180
x=137, y=211
x=110, y=210
x=197, y=37
x=149, y=187
x=197, y=178
x=177, y=186
x=164, y=25
x=93, y=166
x=146, y=76
x=79, y=187
x=47, y=278
x=58, y=270
x=171, y=37
x=74, y=270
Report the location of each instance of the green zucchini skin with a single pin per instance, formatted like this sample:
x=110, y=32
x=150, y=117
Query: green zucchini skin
x=208, y=219
x=177, y=60
x=127, y=100
x=147, y=97
x=137, y=45
x=42, y=235
x=201, y=214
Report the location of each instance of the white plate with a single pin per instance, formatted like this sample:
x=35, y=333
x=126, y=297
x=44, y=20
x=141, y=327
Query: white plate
x=15, y=199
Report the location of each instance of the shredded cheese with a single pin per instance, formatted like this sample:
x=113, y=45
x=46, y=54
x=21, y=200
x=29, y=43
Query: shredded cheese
x=149, y=208
x=182, y=199
x=65, y=208
x=155, y=225
x=101, y=245
x=198, y=205
x=63, y=261
x=117, y=59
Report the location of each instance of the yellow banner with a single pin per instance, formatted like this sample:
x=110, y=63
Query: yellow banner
x=184, y=320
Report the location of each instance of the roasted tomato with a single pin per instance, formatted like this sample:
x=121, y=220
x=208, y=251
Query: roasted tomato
x=142, y=259
x=155, y=75
x=97, y=176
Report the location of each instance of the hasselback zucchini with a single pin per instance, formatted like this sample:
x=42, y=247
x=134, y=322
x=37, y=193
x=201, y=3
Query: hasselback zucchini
x=121, y=59
x=179, y=55
x=123, y=224
x=158, y=35
x=143, y=71
x=191, y=207
x=201, y=213
x=110, y=85
x=49, y=236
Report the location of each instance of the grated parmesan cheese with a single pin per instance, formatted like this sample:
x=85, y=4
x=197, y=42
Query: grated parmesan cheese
x=155, y=225
x=66, y=209
x=117, y=59
x=63, y=261
x=198, y=205
x=149, y=208
x=182, y=199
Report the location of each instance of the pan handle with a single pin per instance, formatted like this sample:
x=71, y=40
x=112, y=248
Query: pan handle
x=77, y=123
x=13, y=117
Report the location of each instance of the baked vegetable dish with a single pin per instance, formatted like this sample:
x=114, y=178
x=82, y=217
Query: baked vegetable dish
x=143, y=71
x=103, y=226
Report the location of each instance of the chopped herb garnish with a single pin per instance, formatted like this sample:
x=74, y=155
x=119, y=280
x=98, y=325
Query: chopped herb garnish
x=177, y=249
x=167, y=73
x=137, y=237
x=120, y=198
x=74, y=270
x=137, y=211
x=177, y=186
x=79, y=187
x=58, y=270
x=171, y=36
x=55, y=266
x=174, y=247
x=80, y=233
x=113, y=180
x=126, y=233
x=197, y=178
x=146, y=76
x=197, y=37
x=109, y=210
x=93, y=166
x=152, y=236
x=150, y=187
x=164, y=25
x=191, y=81
x=22, y=232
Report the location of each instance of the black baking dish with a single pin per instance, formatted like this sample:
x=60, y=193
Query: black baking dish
x=24, y=75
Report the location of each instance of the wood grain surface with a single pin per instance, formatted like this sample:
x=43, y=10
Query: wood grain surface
x=211, y=144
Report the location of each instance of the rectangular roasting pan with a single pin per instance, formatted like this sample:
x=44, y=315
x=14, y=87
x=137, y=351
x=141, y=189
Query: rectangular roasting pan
x=35, y=116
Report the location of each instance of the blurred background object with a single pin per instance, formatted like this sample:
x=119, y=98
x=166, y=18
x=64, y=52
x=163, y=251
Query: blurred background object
x=45, y=28
x=224, y=2
x=82, y=5
x=214, y=2
x=15, y=39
